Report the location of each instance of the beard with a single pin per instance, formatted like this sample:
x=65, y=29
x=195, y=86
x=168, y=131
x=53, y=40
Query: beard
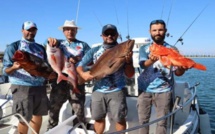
x=158, y=39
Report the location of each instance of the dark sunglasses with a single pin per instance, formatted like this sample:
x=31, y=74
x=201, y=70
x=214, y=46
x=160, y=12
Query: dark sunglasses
x=157, y=21
x=109, y=33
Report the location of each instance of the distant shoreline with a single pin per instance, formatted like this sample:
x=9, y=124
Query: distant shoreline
x=198, y=57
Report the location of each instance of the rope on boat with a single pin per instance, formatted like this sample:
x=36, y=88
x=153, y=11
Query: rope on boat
x=164, y=117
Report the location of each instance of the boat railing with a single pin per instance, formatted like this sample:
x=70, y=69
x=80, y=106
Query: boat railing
x=76, y=126
x=177, y=108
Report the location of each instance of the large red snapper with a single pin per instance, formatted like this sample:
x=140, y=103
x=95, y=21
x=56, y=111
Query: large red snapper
x=171, y=57
x=32, y=64
x=111, y=60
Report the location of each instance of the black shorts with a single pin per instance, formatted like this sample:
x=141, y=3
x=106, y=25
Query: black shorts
x=30, y=100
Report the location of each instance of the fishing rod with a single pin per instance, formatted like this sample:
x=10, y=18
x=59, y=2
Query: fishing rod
x=119, y=36
x=180, y=38
x=168, y=34
x=77, y=12
x=128, y=36
x=162, y=9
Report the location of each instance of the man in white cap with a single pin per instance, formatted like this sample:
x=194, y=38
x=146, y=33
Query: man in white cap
x=29, y=92
x=74, y=50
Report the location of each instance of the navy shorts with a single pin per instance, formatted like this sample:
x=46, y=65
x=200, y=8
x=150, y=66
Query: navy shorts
x=112, y=103
x=30, y=100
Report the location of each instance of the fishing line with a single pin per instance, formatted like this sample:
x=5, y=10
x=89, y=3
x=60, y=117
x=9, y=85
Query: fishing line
x=180, y=39
x=97, y=18
x=77, y=12
x=169, y=13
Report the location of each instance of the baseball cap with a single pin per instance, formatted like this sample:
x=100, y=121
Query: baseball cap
x=28, y=24
x=109, y=26
x=158, y=21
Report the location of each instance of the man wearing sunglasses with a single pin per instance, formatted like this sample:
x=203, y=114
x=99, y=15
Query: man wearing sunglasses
x=155, y=83
x=108, y=93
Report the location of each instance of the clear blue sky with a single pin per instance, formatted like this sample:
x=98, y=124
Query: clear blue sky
x=130, y=16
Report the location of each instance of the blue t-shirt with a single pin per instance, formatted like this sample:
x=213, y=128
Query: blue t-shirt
x=20, y=76
x=111, y=83
x=155, y=78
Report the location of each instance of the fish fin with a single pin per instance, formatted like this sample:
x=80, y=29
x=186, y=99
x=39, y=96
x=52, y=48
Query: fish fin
x=61, y=77
x=199, y=66
x=113, y=62
x=76, y=90
x=53, y=58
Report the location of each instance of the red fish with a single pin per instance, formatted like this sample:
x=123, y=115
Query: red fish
x=59, y=63
x=171, y=57
x=69, y=69
x=56, y=60
x=111, y=60
x=33, y=64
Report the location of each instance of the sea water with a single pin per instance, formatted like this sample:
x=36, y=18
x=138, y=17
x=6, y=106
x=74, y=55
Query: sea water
x=206, y=89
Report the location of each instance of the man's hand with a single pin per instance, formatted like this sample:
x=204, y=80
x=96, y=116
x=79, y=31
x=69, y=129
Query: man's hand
x=86, y=76
x=153, y=58
x=180, y=70
x=74, y=59
x=128, y=58
x=16, y=66
x=52, y=42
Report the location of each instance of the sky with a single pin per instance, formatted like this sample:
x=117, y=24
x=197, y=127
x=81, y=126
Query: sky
x=132, y=17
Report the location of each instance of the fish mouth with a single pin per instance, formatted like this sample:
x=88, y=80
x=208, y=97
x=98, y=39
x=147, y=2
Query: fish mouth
x=131, y=44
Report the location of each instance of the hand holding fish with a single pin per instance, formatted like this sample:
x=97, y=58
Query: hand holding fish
x=171, y=57
x=86, y=76
x=153, y=58
x=74, y=59
x=52, y=42
x=128, y=58
x=16, y=65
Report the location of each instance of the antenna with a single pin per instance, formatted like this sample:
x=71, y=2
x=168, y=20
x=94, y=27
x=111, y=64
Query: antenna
x=77, y=12
x=180, y=38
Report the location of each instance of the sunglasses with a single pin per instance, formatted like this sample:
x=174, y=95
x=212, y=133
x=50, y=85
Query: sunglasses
x=109, y=33
x=157, y=21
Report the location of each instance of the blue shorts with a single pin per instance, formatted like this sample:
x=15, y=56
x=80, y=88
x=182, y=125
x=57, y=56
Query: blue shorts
x=30, y=100
x=113, y=103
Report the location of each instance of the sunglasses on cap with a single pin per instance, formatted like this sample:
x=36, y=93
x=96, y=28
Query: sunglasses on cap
x=157, y=21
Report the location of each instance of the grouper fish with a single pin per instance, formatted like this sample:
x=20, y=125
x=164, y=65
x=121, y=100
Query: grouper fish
x=111, y=60
x=33, y=64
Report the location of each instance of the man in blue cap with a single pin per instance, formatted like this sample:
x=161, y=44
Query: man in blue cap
x=29, y=92
x=108, y=93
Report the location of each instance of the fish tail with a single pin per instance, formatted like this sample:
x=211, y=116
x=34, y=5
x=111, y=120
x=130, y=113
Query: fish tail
x=61, y=77
x=76, y=90
x=199, y=66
